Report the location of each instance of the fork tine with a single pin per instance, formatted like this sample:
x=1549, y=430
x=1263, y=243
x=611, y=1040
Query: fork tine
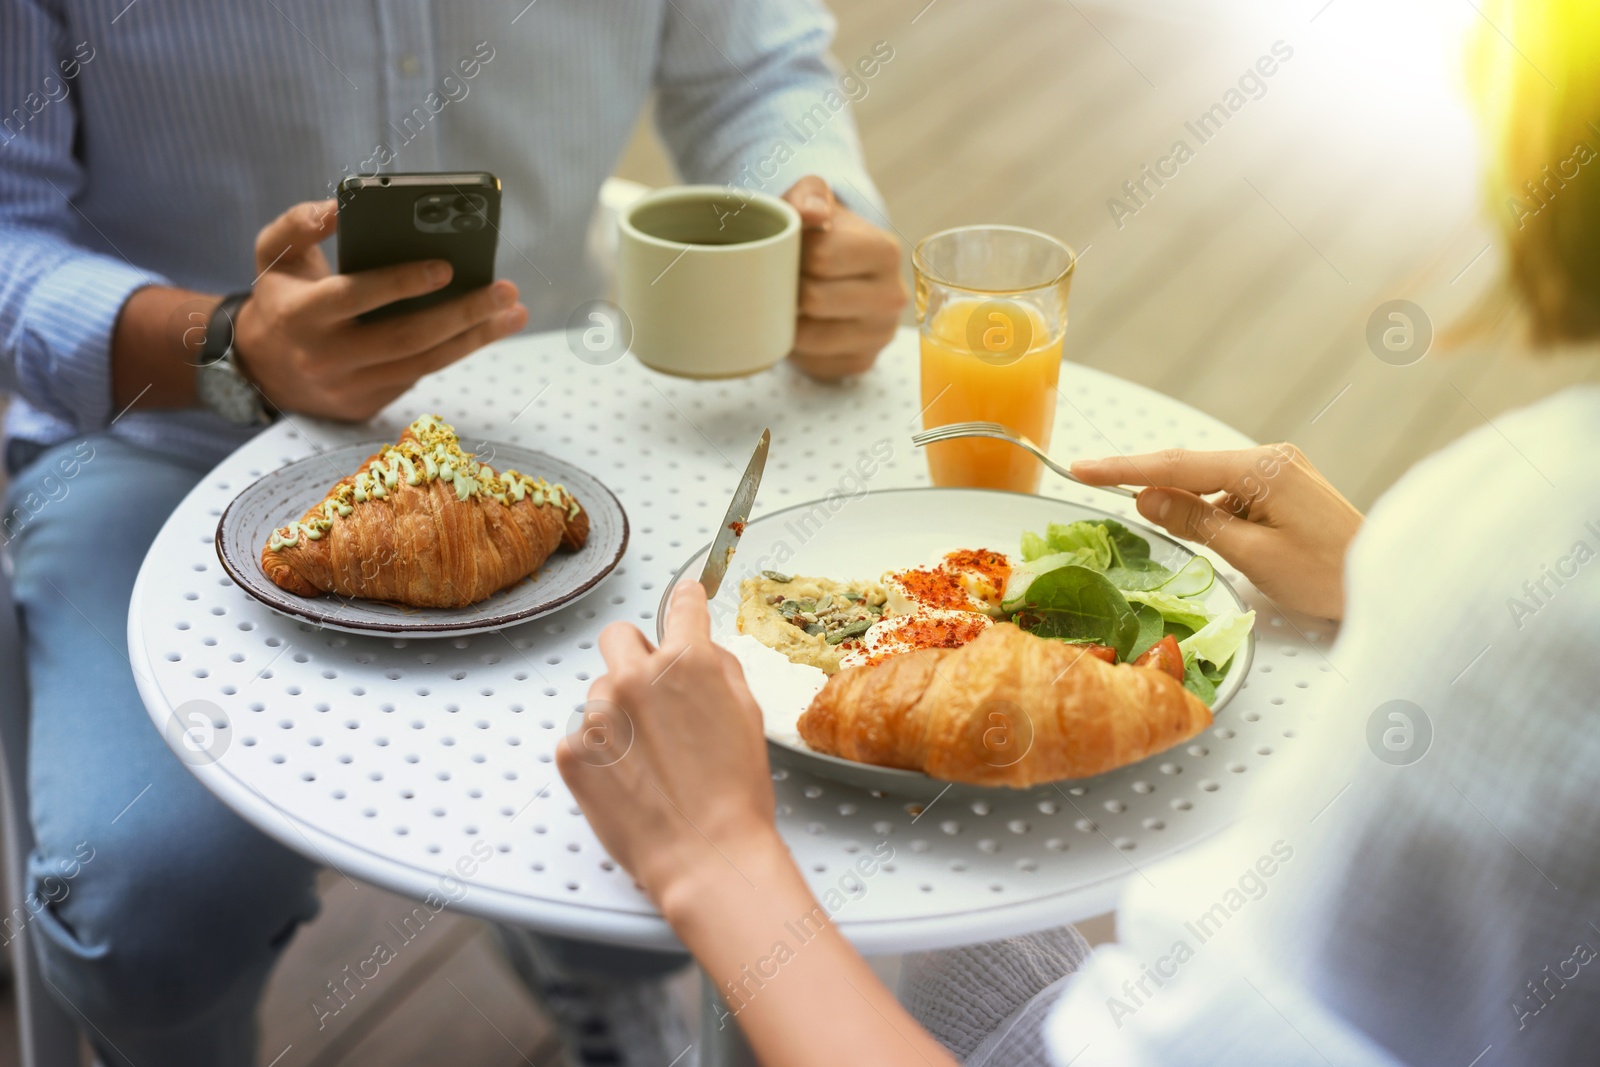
x=949, y=433
x=926, y=430
x=941, y=431
x=958, y=429
x=969, y=426
x=954, y=430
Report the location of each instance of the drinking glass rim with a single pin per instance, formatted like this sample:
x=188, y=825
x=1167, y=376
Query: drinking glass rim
x=920, y=264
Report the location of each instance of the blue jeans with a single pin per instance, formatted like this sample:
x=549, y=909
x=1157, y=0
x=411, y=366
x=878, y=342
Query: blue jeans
x=167, y=911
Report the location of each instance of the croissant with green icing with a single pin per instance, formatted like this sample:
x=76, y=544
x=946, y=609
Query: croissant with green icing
x=423, y=523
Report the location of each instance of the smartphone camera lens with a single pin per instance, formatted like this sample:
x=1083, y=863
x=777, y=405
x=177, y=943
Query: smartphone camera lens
x=468, y=205
x=467, y=223
x=432, y=210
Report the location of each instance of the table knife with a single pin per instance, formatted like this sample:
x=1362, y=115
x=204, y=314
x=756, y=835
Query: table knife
x=727, y=539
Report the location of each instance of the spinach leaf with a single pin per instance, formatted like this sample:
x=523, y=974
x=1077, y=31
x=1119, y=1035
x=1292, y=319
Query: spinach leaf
x=1191, y=613
x=1075, y=603
x=1152, y=628
x=1151, y=575
x=1128, y=549
x=1177, y=629
x=1197, y=682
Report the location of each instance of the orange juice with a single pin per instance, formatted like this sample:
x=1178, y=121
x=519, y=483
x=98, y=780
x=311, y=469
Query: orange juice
x=994, y=360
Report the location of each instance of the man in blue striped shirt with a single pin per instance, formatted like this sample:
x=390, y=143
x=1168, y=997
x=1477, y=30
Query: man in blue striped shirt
x=156, y=155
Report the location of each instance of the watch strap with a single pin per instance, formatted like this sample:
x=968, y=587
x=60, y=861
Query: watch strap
x=222, y=386
x=219, y=328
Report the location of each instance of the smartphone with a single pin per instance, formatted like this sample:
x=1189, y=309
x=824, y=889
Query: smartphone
x=385, y=219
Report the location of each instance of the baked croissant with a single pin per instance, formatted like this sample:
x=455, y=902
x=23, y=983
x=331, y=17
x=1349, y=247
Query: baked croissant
x=422, y=523
x=1006, y=709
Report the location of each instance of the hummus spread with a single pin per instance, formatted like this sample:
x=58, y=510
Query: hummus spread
x=814, y=621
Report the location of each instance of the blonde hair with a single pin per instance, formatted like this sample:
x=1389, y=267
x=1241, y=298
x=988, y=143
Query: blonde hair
x=1534, y=69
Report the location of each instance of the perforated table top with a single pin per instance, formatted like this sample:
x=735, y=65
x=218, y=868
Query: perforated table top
x=426, y=765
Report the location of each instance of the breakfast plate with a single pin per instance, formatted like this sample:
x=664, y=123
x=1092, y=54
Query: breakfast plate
x=860, y=538
x=284, y=494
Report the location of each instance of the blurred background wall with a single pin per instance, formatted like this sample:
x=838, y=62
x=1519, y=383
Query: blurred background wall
x=1245, y=282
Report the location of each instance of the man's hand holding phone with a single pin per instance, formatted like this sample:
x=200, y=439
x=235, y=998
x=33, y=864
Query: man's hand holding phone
x=299, y=340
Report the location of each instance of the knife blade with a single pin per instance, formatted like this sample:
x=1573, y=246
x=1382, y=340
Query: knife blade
x=727, y=539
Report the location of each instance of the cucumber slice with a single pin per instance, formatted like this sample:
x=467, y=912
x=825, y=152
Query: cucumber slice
x=1016, y=589
x=1023, y=576
x=1192, y=579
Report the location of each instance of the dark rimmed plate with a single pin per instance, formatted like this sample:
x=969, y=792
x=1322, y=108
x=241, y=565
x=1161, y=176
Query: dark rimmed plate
x=284, y=495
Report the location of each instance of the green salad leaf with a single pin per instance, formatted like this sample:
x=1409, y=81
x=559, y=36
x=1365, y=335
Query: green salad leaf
x=1128, y=549
x=1198, y=682
x=1094, y=582
x=1151, y=576
x=1131, y=565
x=1077, y=557
x=1152, y=628
x=1078, y=604
x=1105, y=545
x=1092, y=536
x=1190, y=613
x=1218, y=640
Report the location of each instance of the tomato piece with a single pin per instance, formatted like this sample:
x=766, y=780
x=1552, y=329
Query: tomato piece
x=1163, y=656
x=1105, y=652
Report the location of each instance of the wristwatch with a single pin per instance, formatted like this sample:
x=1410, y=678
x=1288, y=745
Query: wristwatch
x=218, y=381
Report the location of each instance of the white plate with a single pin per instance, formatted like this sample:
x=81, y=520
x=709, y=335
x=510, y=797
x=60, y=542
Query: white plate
x=284, y=495
x=864, y=536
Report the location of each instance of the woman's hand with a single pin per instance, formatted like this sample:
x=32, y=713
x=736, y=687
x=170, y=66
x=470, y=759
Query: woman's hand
x=670, y=766
x=670, y=762
x=1277, y=518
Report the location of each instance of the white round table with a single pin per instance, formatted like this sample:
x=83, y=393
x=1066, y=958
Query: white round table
x=417, y=764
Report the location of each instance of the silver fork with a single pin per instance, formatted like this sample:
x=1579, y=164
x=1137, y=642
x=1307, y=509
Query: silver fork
x=954, y=430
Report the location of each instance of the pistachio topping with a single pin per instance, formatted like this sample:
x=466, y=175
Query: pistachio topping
x=434, y=453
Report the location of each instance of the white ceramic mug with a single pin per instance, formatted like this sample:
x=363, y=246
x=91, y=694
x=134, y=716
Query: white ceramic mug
x=709, y=277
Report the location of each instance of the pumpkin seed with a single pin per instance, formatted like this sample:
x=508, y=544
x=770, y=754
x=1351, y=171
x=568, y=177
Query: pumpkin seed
x=844, y=633
x=816, y=628
x=777, y=576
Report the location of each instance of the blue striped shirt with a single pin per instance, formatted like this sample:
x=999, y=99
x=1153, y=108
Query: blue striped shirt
x=147, y=142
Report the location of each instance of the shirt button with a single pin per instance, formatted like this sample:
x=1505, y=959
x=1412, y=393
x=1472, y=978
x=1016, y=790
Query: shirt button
x=410, y=66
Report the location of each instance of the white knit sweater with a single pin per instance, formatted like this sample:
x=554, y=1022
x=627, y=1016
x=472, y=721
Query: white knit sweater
x=1375, y=912
x=1433, y=912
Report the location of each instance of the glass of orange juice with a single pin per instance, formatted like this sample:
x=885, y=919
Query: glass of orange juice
x=992, y=314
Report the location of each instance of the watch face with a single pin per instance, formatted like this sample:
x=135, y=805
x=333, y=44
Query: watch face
x=225, y=391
